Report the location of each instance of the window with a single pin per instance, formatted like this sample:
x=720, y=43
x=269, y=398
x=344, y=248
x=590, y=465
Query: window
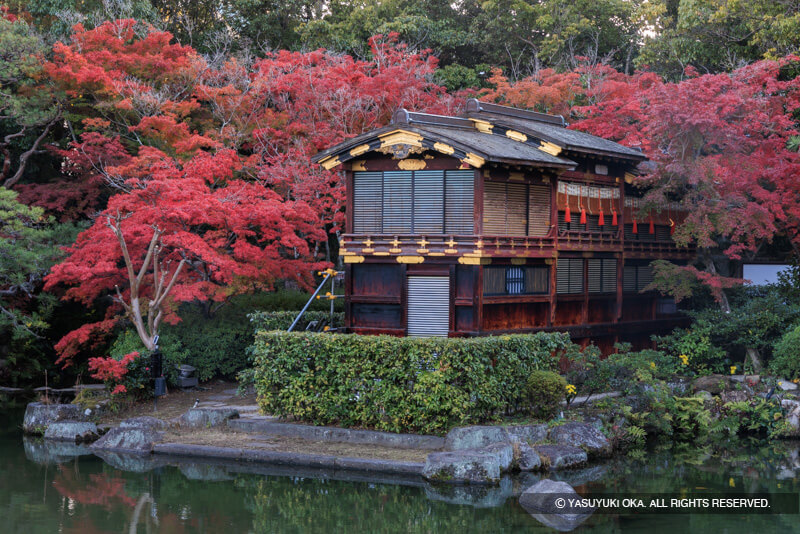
x=418, y=202
x=602, y=274
x=569, y=279
x=516, y=209
x=516, y=280
x=636, y=277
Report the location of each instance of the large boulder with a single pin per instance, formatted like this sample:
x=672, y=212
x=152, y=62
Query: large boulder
x=474, y=437
x=785, y=385
x=527, y=458
x=144, y=422
x=131, y=439
x=462, y=467
x=208, y=417
x=38, y=416
x=527, y=433
x=561, y=456
x=551, y=503
x=583, y=436
x=714, y=384
x=74, y=431
x=504, y=452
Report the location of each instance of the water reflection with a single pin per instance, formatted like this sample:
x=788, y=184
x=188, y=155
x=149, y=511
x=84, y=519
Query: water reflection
x=53, y=487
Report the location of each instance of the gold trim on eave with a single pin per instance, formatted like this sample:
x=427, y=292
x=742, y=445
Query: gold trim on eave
x=483, y=126
x=443, y=148
x=410, y=259
x=330, y=163
x=360, y=149
x=474, y=160
x=464, y=260
x=516, y=136
x=353, y=259
x=550, y=148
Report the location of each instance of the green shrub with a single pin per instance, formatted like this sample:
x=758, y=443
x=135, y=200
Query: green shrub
x=786, y=355
x=397, y=384
x=544, y=392
x=282, y=320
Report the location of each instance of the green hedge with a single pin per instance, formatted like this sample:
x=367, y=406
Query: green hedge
x=397, y=384
x=282, y=320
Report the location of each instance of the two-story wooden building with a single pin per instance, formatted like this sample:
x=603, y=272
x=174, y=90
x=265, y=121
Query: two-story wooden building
x=499, y=221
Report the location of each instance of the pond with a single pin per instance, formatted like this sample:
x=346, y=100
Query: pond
x=46, y=489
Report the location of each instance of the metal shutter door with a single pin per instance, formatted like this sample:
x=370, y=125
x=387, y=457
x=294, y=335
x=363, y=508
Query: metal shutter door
x=595, y=274
x=494, y=208
x=537, y=280
x=569, y=276
x=629, y=279
x=428, y=306
x=539, y=210
x=459, y=202
x=429, y=202
x=662, y=233
x=397, y=202
x=367, y=194
x=609, y=276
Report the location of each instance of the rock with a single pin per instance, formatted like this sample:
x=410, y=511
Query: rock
x=705, y=395
x=581, y=435
x=144, y=422
x=474, y=437
x=476, y=496
x=750, y=380
x=206, y=472
x=792, y=416
x=528, y=433
x=52, y=452
x=504, y=452
x=135, y=440
x=462, y=467
x=581, y=476
x=208, y=417
x=38, y=416
x=136, y=463
x=543, y=501
x=559, y=456
x=785, y=385
x=74, y=431
x=527, y=458
x=714, y=384
x=734, y=395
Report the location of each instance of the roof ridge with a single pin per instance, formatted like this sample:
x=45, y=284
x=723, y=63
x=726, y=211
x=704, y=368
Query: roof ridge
x=476, y=106
x=403, y=116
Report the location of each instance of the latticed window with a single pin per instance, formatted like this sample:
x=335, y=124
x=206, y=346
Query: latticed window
x=516, y=280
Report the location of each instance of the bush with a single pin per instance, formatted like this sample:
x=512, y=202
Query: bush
x=545, y=390
x=397, y=384
x=786, y=355
x=282, y=320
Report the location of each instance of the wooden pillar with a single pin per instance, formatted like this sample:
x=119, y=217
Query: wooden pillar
x=348, y=181
x=585, y=306
x=404, y=296
x=348, y=292
x=453, y=288
x=620, y=281
x=477, y=315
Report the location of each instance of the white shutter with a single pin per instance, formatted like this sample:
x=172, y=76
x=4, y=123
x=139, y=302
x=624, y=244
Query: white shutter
x=428, y=306
x=367, y=195
x=459, y=202
x=397, y=202
x=429, y=202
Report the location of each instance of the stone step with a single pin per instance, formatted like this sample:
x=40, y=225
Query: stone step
x=257, y=425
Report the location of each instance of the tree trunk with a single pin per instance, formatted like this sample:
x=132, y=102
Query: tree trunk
x=755, y=359
x=711, y=268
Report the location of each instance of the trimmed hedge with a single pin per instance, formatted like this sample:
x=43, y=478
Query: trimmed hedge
x=398, y=384
x=282, y=320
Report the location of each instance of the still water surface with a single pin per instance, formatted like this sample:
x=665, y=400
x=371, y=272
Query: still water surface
x=45, y=490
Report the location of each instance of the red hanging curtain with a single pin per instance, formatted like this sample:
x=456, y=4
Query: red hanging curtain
x=583, y=209
x=635, y=227
x=652, y=226
x=614, y=218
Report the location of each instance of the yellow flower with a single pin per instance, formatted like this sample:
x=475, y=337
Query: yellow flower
x=571, y=390
x=731, y=482
x=733, y=369
x=684, y=359
x=652, y=365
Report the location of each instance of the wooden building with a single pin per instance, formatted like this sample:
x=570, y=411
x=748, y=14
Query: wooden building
x=499, y=221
